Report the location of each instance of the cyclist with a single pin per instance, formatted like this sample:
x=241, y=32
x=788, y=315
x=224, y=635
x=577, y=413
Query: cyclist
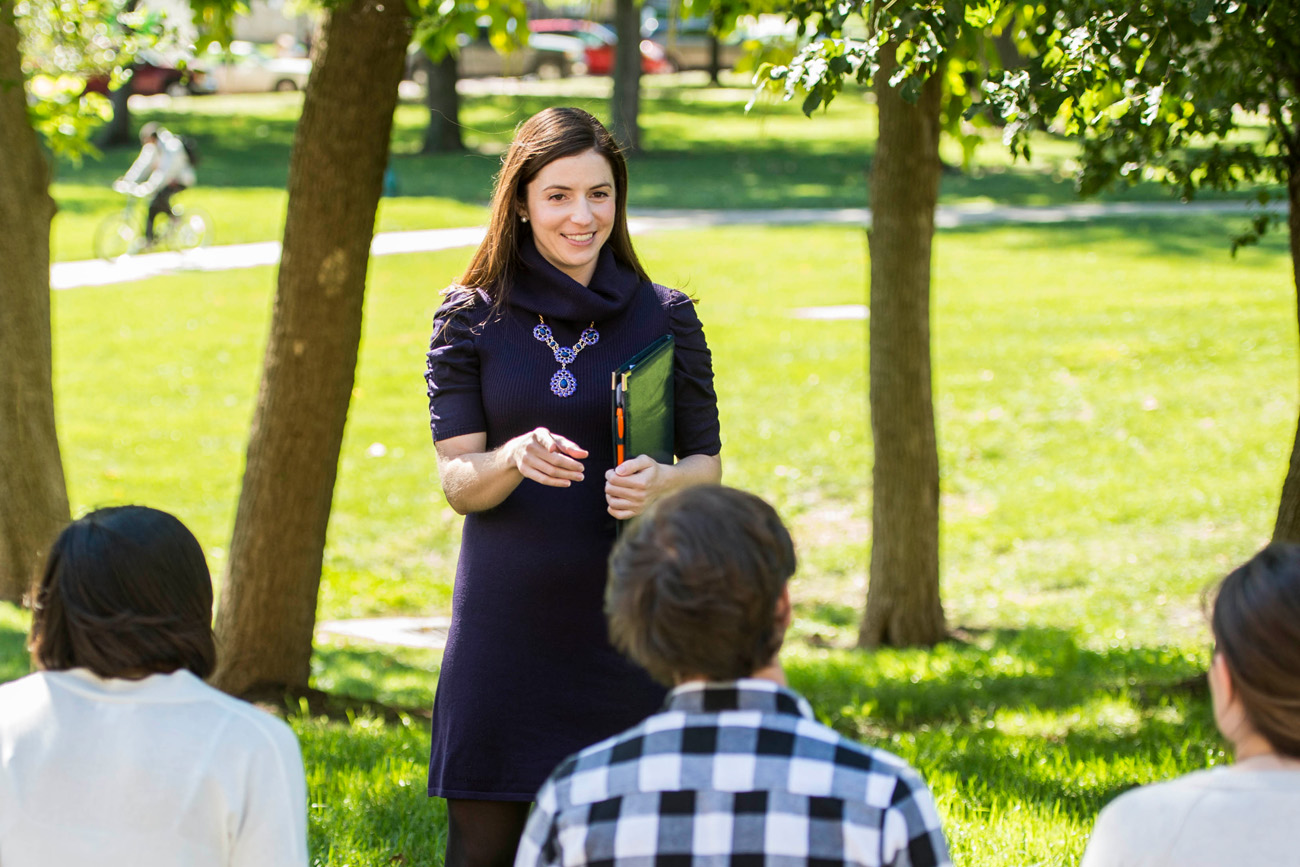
x=162, y=170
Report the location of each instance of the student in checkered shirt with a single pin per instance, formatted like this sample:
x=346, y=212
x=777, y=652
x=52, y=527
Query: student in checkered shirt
x=735, y=771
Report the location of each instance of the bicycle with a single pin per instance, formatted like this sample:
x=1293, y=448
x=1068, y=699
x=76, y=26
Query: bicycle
x=122, y=233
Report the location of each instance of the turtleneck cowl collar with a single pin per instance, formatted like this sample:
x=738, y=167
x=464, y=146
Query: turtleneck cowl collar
x=539, y=287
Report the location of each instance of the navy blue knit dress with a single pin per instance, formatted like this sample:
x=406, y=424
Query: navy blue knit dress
x=529, y=676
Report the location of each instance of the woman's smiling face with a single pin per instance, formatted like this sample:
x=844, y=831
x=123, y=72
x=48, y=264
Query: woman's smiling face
x=571, y=206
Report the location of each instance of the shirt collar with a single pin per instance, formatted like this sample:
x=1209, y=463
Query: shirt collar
x=745, y=694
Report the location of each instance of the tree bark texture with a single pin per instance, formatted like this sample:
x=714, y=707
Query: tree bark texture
x=268, y=601
x=443, y=101
x=1287, y=528
x=33, y=495
x=625, y=105
x=903, y=606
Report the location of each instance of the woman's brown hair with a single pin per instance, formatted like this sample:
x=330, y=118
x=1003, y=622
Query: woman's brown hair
x=1256, y=623
x=694, y=584
x=547, y=136
x=126, y=592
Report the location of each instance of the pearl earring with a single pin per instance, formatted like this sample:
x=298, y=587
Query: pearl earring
x=523, y=219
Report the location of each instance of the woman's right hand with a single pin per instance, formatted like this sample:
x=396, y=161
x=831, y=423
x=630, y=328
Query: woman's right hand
x=547, y=458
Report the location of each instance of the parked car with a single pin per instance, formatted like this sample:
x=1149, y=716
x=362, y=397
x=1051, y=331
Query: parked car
x=152, y=75
x=243, y=69
x=599, y=42
x=545, y=55
x=688, y=45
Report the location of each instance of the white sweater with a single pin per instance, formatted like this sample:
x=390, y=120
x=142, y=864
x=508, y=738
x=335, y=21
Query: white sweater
x=1222, y=817
x=160, y=771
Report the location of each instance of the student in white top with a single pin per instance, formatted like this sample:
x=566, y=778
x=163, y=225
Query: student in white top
x=1244, y=813
x=162, y=170
x=115, y=752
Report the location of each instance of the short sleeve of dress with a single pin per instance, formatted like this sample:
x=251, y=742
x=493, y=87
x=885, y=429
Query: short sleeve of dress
x=695, y=412
x=452, y=369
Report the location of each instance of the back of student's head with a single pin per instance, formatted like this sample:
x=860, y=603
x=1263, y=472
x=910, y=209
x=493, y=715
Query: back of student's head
x=1256, y=623
x=125, y=593
x=694, y=584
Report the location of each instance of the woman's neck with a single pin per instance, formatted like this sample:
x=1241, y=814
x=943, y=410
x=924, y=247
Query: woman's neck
x=1256, y=753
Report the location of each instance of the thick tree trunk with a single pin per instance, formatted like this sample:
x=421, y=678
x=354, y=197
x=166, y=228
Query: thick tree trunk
x=625, y=106
x=903, y=606
x=268, y=600
x=1287, y=528
x=443, y=101
x=33, y=496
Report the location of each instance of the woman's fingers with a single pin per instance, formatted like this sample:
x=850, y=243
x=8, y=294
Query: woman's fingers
x=568, y=446
x=628, y=486
x=546, y=459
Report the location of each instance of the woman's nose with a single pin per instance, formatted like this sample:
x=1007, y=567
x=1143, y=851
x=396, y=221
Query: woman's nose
x=581, y=212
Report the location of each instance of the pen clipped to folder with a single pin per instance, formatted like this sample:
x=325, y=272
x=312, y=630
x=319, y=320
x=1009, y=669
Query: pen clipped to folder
x=642, y=405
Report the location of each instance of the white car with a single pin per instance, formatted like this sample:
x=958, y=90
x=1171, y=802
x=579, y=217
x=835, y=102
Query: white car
x=242, y=69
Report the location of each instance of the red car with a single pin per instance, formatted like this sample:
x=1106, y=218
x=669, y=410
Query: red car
x=149, y=78
x=599, y=42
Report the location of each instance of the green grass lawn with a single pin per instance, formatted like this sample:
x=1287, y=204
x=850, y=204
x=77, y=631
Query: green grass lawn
x=701, y=150
x=1115, y=401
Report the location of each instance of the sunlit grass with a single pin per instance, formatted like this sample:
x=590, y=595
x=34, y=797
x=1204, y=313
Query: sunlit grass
x=1115, y=401
x=701, y=150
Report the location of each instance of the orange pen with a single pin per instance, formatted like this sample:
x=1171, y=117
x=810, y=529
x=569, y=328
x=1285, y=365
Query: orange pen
x=618, y=413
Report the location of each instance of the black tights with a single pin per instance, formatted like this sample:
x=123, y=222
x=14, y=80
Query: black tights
x=484, y=833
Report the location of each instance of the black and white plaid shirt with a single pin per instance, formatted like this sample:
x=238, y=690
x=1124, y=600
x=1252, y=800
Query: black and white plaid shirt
x=733, y=775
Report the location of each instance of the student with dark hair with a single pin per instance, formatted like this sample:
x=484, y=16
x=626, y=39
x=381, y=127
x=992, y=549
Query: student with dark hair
x=519, y=367
x=1244, y=813
x=735, y=770
x=115, y=752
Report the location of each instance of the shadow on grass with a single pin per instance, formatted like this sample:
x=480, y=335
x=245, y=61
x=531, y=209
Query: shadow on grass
x=1021, y=715
x=1190, y=234
x=964, y=683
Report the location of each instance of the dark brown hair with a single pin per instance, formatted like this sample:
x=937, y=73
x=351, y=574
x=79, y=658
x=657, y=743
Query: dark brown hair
x=1256, y=623
x=547, y=136
x=126, y=592
x=694, y=583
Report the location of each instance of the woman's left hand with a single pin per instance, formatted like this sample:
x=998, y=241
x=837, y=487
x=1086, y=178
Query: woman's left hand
x=633, y=485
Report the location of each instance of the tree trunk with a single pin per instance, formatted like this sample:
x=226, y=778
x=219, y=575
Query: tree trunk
x=715, y=58
x=33, y=495
x=443, y=101
x=268, y=599
x=903, y=606
x=625, y=107
x=117, y=132
x=1287, y=528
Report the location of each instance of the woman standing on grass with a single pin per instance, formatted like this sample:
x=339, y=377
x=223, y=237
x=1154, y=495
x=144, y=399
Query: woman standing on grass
x=1245, y=813
x=518, y=378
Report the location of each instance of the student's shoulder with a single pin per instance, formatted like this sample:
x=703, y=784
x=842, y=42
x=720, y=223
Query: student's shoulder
x=248, y=723
x=857, y=760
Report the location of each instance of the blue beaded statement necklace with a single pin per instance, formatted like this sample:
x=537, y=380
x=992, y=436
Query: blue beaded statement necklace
x=562, y=383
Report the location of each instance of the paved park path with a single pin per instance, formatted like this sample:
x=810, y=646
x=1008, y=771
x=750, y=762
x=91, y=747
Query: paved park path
x=431, y=632
x=69, y=275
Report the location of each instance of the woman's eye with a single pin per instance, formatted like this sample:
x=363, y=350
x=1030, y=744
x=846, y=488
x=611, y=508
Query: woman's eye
x=601, y=194
x=556, y=197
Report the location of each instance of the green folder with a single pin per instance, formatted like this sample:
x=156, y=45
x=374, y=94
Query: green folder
x=642, y=409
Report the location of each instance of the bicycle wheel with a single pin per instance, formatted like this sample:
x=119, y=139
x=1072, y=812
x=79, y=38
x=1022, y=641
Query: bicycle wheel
x=192, y=228
x=115, y=236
